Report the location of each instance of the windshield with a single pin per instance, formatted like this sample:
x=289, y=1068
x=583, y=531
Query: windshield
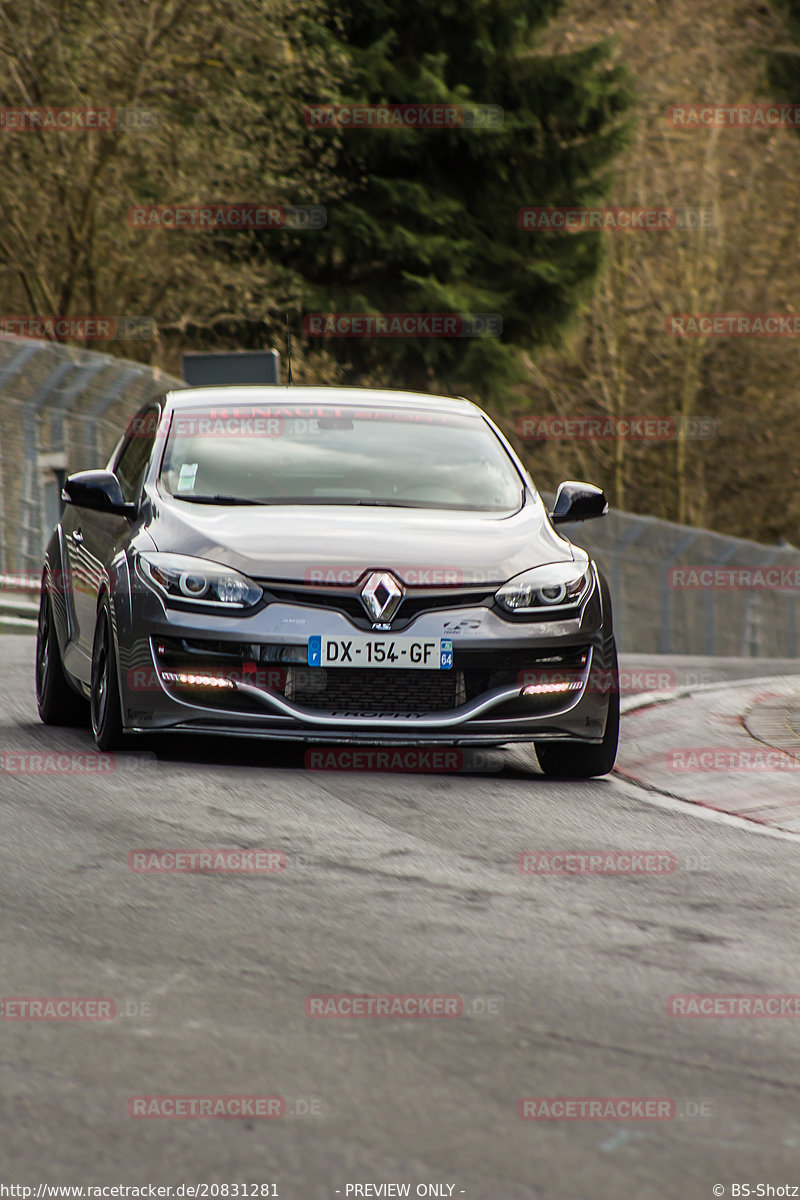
x=338, y=454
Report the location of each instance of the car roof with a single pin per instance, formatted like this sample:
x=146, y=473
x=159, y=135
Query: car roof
x=271, y=394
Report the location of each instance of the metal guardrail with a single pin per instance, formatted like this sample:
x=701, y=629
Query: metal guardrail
x=61, y=409
x=656, y=611
x=19, y=603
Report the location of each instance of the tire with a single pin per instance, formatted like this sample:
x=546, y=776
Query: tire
x=106, y=709
x=581, y=760
x=57, y=702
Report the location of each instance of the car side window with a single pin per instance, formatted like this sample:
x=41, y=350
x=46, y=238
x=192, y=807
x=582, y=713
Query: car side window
x=134, y=455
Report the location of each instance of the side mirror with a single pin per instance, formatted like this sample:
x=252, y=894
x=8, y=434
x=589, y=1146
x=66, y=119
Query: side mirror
x=578, y=502
x=99, y=491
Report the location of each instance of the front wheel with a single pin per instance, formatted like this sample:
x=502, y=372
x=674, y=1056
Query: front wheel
x=105, y=702
x=579, y=760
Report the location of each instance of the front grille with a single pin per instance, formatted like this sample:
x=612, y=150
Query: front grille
x=347, y=600
x=381, y=691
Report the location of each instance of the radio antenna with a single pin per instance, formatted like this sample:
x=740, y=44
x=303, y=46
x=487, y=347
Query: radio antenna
x=288, y=351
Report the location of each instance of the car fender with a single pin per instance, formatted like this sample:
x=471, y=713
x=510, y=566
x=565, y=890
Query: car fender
x=55, y=578
x=115, y=588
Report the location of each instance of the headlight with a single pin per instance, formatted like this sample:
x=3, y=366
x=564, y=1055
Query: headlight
x=180, y=577
x=546, y=589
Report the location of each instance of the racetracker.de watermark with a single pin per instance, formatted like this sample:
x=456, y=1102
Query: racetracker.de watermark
x=546, y=218
x=561, y=863
x=59, y=582
x=718, y=324
x=255, y=424
x=616, y=429
x=402, y=325
x=727, y=759
x=207, y=1107
x=236, y=217
x=403, y=116
x=734, y=116
x=392, y=1004
x=207, y=862
x=75, y=1008
x=734, y=579
x=76, y=762
x=411, y=760
x=57, y=1008
x=532, y=218
x=726, y=1004
x=412, y=574
x=616, y=1108
x=147, y=679
x=596, y=862
x=96, y=328
x=627, y=680
x=597, y=1108
x=283, y=420
x=76, y=120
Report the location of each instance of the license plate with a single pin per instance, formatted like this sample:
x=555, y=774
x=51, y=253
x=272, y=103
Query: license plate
x=422, y=654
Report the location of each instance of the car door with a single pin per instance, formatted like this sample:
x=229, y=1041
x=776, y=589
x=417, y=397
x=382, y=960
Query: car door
x=94, y=537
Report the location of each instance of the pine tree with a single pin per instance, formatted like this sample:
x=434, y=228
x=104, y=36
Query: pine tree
x=783, y=63
x=430, y=220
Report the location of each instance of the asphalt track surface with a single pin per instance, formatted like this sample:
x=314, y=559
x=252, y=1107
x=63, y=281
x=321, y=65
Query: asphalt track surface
x=395, y=883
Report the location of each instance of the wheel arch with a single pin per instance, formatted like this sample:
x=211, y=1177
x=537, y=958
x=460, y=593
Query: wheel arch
x=105, y=596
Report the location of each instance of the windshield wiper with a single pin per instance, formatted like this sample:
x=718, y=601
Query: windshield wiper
x=218, y=499
x=389, y=503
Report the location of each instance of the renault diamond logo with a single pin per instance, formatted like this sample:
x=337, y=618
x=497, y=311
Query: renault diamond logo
x=381, y=596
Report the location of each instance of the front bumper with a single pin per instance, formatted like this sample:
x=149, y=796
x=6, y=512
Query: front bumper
x=195, y=672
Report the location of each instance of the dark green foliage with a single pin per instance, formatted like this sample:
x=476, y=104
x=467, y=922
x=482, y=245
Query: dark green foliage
x=430, y=221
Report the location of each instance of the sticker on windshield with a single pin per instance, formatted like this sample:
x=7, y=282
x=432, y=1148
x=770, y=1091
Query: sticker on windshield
x=187, y=476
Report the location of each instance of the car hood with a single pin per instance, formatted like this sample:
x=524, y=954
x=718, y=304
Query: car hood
x=338, y=543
